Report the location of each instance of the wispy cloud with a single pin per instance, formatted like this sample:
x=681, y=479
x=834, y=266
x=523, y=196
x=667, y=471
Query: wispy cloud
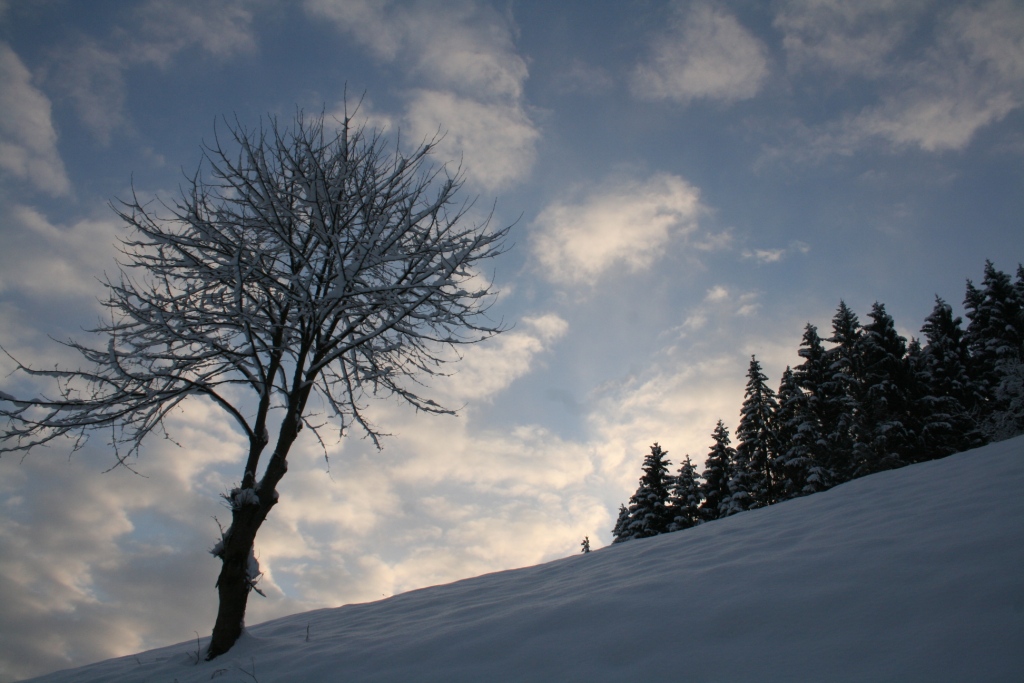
x=467, y=78
x=487, y=369
x=91, y=71
x=47, y=260
x=851, y=38
x=777, y=254
x=704, y=54
x=934, y=95
x=624, y=223
x=494, y=142
x=28, y=141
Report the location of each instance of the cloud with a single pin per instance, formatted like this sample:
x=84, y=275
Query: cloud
x=92, y=78
x=490, y=367
x=163, y=28
x=44, y=260
x=584, y=78
x=91, y=72
x=624, y=224
x=934, y=95
x=855, y=38
x=28, y=141
x=78, y=546
x=720, y=303
x=777, y=254
x=496, y=143
x=973, y=77
x=704, y=54
x=467, y=79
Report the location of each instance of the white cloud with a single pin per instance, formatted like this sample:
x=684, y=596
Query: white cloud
x=375, y=24
x=623, y=224
x=932, y=95
x=584, y=78
x=490, y=367
x=28, y=141
x=974, y=76
x=45, y=260
x=78, y=546
x=847, y=37
x=92, y=77
x=468, y=79
x=496, y=143
x=163, y=28
x=705, y=54
x=777, y=254
x=91, y=72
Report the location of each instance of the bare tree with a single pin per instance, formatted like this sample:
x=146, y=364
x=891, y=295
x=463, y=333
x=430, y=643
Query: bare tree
x=296, y=264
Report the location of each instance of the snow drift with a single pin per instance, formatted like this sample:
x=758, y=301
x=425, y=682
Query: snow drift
x=915, y=574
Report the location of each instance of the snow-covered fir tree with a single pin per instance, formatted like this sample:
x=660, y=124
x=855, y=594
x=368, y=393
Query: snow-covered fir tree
x=684, y=498
x=839, y=396
x=621, y=531
x=994, y=330
x=949, y=397
x=753, y=482
x=649, y=514
x=811, y=377
x=797, y=465
x=885, y=396
x=995, y=338
x=717, y=473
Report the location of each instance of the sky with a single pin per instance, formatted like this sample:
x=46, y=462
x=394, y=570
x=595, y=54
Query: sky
x=689, y=183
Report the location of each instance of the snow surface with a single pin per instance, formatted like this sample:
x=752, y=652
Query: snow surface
x=909, y=575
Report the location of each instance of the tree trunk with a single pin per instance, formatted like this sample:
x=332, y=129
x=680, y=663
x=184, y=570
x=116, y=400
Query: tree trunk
x=248, y=513
x=233, y=584
x=233, y=591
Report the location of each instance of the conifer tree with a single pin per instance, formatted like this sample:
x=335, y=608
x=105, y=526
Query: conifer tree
x=840, y=396
x=821, y=416
x=885, y=395
x=994, y=331
x=945, y=406
x=648, y=507
x=756, y=446
x=995, y=337
x=621, y=531
x=684, y=498
x=716, y=476
x=798, y=432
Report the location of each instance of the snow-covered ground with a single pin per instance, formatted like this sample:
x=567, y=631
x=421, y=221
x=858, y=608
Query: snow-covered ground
x=911, y=575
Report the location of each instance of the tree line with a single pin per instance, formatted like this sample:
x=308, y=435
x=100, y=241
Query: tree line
x=871, y=401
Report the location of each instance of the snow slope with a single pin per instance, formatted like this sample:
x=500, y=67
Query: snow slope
x=911, y=575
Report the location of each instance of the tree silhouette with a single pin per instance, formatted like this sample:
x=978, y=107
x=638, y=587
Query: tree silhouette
x=299, y=268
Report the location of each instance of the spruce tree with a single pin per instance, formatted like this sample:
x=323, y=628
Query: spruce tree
x=996, y=340
x=994, y=332
x=949, y=396
x=798, y=433
x=717, y=473
x=885, y=394
x=621, y=531
x=684, y=498
x=756, y=446
x=840, y=396
x=811, y=377
x=649, y=514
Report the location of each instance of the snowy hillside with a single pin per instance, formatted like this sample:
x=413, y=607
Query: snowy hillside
x=909, y=575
